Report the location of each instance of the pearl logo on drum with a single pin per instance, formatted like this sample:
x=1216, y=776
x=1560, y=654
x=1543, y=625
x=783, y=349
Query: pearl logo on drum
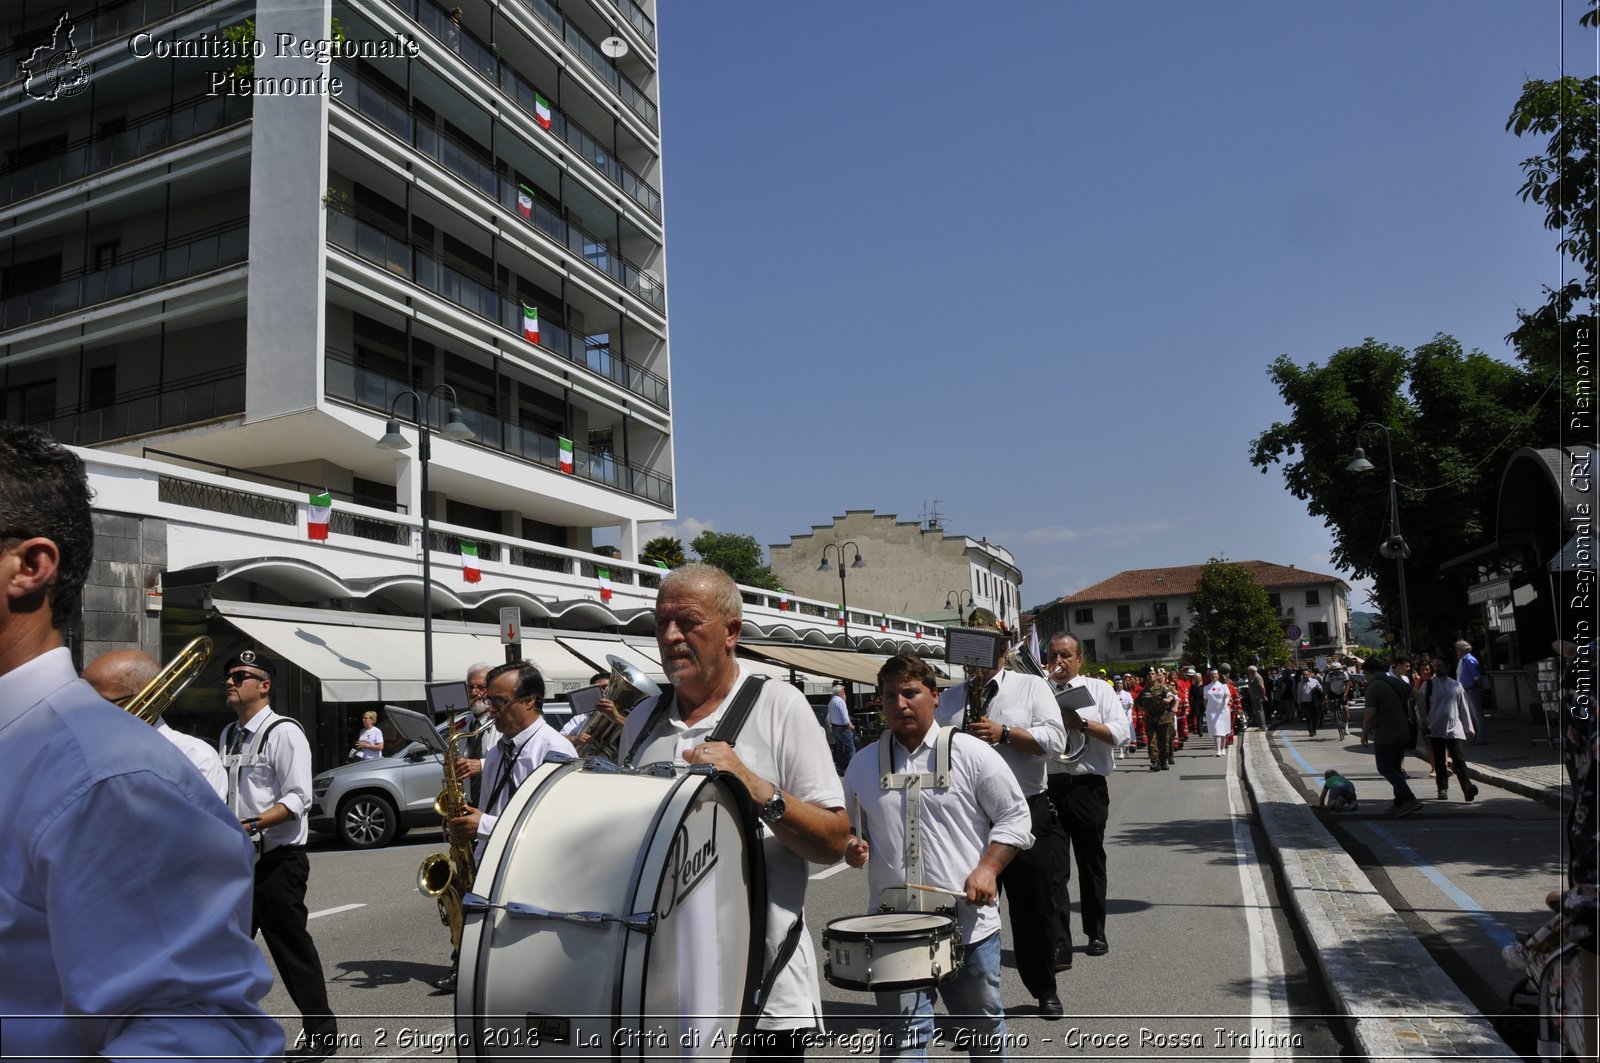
x=689, y=862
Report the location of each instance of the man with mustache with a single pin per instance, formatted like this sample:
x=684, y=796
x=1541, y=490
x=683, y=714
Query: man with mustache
x=781, y=758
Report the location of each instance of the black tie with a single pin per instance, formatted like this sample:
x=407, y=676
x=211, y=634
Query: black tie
x=508, y=758
x=239, y=734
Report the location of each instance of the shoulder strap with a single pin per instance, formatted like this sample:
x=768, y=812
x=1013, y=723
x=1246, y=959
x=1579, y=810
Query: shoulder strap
x=659, y=713
x=236, y=762
x=734, y=719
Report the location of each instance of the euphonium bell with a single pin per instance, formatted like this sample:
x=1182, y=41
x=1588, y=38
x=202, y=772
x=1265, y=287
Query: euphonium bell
x=626, y=688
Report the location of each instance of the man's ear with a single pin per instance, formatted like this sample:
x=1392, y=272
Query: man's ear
x=30, y=567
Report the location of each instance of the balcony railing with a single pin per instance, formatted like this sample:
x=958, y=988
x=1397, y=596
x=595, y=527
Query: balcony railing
x=154, y=132
x=482, y=58
x=108, y=23
x=638, y=19
x=178, y=259
x=368, y=242
x=375, y=391
x=464, y=161
x=595, y=60
x=187, y=400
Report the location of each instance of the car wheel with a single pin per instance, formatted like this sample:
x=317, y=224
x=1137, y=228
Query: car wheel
x=367, y=821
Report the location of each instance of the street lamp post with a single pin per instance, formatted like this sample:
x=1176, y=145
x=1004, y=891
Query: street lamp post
x=1211, y=618
x=1395, y=545
x=844, y=605
x=952, y=600
x=393, y=440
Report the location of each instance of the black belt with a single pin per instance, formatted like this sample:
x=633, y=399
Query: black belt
x=1073, y=778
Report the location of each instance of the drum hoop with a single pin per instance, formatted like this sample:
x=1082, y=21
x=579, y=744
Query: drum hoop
x=653, y=856
x=944, y=928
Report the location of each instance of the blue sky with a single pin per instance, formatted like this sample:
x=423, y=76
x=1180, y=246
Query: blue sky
x=1032, y=259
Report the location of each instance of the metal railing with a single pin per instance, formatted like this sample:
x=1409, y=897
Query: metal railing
x=170, y=126
x=372, y=244
x=187, y=400
x=595, y=60
x=638, y=19
x=236, y=473
x=234, y=503
x=375, y=391
x=212, y=248
x=465, y=162
x=108, y=23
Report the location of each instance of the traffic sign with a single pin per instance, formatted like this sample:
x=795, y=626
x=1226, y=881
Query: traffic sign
x=510, y=625
x=1293, y=632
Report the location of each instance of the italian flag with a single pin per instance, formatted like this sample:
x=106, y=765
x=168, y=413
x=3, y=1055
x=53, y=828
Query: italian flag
x=919, y=631
x=525, y=201
x=469, y=563
x=566, y=455
x=541, y=110
x=841, y=614
x=660, y=563
x=530, y=324
x=604, y=576
x=318, y=509
x=883, y=622
x=783, y=602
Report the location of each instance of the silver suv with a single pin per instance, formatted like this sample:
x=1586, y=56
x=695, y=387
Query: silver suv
x=370, y=803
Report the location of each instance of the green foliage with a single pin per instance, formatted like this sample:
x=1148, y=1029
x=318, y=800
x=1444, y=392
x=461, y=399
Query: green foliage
x=607, y=551
x=243, y=36
x=1244, y=625
x=1453, y=419
x=737, y=555
x=665, y=549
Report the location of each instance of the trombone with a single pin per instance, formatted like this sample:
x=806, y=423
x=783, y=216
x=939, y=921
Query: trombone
x=149, y=703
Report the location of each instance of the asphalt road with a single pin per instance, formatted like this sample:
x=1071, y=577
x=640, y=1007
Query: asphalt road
x=1203, y=961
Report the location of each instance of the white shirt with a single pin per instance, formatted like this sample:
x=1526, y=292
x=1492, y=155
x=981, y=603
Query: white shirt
x=574, y=725
x=781, y=743
x=838, y=712
x=532, y=743
x=1308, y=689
x=1449, y=713
x=373, y=735
x=282, y=776
x=982, y=804
x=125, y=887
x=1024, y=701
x=1107, y=709
x=200, y=754
x=1216, y=698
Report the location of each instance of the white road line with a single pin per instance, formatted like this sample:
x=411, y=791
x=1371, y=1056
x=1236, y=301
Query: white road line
x=831, y=871
x=335, y=911
x=1268, y=993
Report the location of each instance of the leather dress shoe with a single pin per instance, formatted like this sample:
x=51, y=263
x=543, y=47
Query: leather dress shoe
x=1050, y=1007
x=447, y=984
x=1064, y=958
x=1098, y=947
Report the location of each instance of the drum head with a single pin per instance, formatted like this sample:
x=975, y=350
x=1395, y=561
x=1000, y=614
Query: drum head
x=575, y=840
x=886, y=924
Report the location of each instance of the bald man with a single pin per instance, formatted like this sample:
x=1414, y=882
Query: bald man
x=119, y=675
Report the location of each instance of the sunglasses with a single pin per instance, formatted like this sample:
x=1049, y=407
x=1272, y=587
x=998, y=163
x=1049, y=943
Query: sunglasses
x=240, y=678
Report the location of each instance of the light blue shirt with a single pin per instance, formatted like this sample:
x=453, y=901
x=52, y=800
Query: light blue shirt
x=125, y=887
x=1468, y=674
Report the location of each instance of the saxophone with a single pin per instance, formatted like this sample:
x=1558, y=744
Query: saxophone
x=447, y=877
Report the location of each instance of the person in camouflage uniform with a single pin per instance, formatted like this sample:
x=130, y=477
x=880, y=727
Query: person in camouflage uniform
x=1158, y=701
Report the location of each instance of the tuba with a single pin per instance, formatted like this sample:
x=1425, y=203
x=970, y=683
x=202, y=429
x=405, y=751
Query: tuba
x=185, y=668
x=627, y=687
x=447, y=877
x=1021, y=660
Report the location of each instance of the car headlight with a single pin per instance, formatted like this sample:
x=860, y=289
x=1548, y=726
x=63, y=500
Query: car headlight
x=320, y=787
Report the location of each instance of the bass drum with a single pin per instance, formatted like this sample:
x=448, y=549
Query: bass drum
x=618, y=914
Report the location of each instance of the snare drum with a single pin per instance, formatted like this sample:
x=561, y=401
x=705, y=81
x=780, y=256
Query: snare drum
x=890, y=951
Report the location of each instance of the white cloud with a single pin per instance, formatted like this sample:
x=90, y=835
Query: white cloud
x=685, y=529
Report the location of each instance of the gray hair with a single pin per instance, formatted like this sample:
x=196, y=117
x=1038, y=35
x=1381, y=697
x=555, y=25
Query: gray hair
x=481, y=668
x=722, y=593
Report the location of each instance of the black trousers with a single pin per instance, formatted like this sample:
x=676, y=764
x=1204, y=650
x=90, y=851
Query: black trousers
x=1311, y=711
x=280, y=914
x=1031, y=883
x=1083, y=804
x=1452, y=746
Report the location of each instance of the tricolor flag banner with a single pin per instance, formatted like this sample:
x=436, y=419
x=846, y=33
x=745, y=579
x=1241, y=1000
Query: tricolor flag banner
x=1033, y=646
x=841, y=615
x=660, y=563
x=566, y=455
x=919, y=631
x=530, y=324
x=604, y=576
x=525, y=201
x=883, y=622
x=783, y=602
x=319, y=507
x=469, y=563
x=541, y=110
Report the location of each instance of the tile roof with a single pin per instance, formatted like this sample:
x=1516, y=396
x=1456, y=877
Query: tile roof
x=1157, y=582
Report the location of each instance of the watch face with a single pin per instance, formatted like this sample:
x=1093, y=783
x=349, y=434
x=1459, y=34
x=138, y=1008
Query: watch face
x=772, y=811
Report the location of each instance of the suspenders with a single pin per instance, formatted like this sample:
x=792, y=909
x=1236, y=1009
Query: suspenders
x=912, y=783
x=235, y=761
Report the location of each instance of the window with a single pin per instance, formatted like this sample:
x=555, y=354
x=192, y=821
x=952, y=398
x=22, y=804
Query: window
x=1313, y=598
x=1319, y=631
x=1125, y=645
x=1124, y=615
x=1163, y=641
x=1277, y=602
x=100, y=386
x=1088, y=648
x=1083, y=616
x=1161, y=614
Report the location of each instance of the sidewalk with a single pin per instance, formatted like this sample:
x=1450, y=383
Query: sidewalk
x=1398, y=1002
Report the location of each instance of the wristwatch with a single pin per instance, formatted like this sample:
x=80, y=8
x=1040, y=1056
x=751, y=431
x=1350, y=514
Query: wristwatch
x=772, y=811
x=1083, y=725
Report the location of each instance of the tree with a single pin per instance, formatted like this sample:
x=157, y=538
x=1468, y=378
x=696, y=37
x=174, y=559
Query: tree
x=1232, y=619
x=1452, y=417
x=737, y=555
x=665, y=549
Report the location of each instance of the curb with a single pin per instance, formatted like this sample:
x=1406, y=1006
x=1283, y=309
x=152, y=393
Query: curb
x=1557, y=797
x=1368, y=957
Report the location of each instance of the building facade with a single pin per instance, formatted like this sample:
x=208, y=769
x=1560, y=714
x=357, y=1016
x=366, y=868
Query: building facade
x=1143, y=614
x=908, y=567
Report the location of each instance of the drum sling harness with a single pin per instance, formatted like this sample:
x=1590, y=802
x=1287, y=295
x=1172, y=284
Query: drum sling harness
x=235, y=761
x=912, y=783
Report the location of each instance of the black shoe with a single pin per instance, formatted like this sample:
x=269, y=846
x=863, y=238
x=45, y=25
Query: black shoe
x=447, y=984
x=1064, y=958
x=1444, y=795
x=317, y=1047
x=1098, y=947
x=1472, y=794
x=1407, y=807
x=1050, y=1007
x=1155, y=767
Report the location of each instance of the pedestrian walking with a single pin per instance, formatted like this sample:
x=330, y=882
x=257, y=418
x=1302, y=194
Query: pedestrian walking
x=1385, y=724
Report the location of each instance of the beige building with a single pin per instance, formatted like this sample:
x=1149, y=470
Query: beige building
x=909, y=567
x=1143, y=614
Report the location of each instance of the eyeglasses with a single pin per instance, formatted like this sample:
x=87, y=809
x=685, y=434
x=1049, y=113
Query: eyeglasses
x=240, y=677
x=499, y=701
